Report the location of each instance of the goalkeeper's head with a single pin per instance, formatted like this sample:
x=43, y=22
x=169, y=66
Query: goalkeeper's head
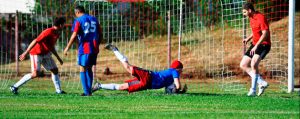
x=176, y=64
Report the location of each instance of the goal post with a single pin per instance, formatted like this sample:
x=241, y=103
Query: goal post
x=291, y=46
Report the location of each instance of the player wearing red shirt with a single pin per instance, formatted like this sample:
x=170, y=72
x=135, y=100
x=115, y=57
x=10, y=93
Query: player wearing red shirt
x=260, y=47
x=40, y=50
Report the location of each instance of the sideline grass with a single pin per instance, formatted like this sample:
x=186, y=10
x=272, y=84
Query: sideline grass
x=35, y=103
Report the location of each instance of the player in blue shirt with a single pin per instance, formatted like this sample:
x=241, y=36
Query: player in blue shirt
x=88, y=31
x=146, y=79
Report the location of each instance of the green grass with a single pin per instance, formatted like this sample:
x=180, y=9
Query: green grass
x=38, y=100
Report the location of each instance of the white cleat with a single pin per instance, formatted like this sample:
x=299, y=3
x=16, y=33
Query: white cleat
x=251, y=93
x=262, y=88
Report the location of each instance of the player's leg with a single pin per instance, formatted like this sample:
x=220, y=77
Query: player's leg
x=110, y=86
x=245, y=62
x=262, y=51
x=254, y=68
x=49, y=64
x=113, y=86
x=125, y=86
x=35, y=68
x=56, y=81
x=89, y=79
x=92, y=59
x=83, y=79
x=86, y=61
x=120, y=56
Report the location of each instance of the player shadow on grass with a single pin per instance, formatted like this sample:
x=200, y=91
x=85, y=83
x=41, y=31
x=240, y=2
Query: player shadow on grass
x=208, y=94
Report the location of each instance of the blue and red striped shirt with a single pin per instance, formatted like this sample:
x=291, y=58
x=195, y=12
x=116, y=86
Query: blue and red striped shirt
x=87, y=28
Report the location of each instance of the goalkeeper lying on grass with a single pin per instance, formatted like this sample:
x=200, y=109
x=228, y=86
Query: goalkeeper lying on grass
x=146, y=79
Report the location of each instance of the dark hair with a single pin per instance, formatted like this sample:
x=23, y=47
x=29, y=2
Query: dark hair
x=80, y=9
x=248, y=6
x=59, y=21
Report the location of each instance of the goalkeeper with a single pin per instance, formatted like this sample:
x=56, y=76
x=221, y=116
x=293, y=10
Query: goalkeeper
x=146, y=79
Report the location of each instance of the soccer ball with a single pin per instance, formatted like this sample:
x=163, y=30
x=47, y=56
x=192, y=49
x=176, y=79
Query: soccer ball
x=171, y=89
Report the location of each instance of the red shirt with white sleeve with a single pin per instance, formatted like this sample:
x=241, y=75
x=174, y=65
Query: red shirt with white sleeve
x=45, y=42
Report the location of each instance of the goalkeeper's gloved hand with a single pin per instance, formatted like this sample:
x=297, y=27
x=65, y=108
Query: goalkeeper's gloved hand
x=184, y=89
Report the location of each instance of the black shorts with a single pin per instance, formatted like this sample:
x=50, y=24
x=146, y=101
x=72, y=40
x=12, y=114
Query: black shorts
x=262, y=50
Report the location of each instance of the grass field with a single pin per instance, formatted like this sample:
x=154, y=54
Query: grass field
x=205, y=98
x=38, y=100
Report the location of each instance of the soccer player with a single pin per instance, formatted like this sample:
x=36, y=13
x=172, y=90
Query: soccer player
x=87, y=29
x=146, y=79
x=260, y=47
x=40, y=50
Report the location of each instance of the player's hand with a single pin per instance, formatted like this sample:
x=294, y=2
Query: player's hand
x=66, y=52
x=22, y=56
x=245, y=41
x=252, y=52
x=185, y=88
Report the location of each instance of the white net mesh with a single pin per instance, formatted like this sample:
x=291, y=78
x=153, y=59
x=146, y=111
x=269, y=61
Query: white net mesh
x=210, y=47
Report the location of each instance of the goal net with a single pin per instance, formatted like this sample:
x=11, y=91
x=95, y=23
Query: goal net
x=206, y=35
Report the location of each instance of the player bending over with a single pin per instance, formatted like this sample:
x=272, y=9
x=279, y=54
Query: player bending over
x=40, y=50
x=146, y=79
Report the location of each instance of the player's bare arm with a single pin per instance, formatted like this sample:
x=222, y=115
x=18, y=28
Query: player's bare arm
x=177, y=83
x=261, y=39
x=31, y=45
x=72, y=39
x=54, y=52
x=179, y=88
x=246, y=40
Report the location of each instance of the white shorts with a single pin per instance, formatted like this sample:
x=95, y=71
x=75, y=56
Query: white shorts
x=45, y=60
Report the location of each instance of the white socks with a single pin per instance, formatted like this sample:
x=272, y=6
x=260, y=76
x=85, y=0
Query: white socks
x=253, y=82
x=260, y=80
x=56, y=82
x=120, y=56
x=256, y=78
x=111, y=86
x=23, y=80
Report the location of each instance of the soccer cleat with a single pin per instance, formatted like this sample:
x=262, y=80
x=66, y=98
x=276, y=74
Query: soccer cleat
x=111, y=47
x=83, y=94
x=96, y=87
x=62, y=92
x=14, y=90
x=262, y=88
x=251, y=93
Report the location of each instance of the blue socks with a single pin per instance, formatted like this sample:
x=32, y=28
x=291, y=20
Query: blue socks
x=87, y=81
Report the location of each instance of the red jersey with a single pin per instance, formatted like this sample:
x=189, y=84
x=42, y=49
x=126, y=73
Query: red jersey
x=45, y=42
x=258, y=23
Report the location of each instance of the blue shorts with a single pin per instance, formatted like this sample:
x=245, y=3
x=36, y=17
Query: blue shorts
x=87, y=59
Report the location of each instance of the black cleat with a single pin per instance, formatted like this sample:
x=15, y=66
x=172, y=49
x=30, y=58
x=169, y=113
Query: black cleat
x=14, y=90
x=62, y=92
x=83, y=94
x=111, y=47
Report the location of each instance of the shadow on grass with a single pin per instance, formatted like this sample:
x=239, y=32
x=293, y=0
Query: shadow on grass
x=209, y=94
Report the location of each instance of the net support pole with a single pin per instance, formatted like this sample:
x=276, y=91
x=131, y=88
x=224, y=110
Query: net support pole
x=291, y=46
x=16, y=43
x=244, y=35
x=169, y=39
x=179, y=31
